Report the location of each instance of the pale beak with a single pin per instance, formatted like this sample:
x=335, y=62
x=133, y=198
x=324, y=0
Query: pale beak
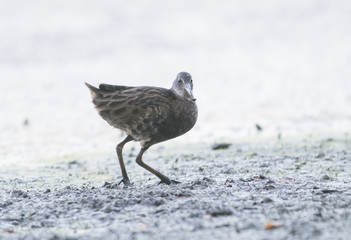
x=188, y=89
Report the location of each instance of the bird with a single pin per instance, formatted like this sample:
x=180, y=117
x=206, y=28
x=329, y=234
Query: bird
x=148, y=115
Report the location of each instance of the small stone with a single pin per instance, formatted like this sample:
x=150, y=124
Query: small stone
x=267, y=200
x=273, y=224
x=218, y=146
x=326, y=177
x=326, y=191
x=221, y=212
x=252, y=154
x=107, y=209
x=26, y=122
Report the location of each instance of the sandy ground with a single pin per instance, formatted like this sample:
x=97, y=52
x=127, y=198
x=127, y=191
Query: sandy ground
x=282, y=65
x=303, y=189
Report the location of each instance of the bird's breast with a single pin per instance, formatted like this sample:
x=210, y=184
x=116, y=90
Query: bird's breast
x=179, y=120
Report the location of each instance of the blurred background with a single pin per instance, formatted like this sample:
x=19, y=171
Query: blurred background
x=284, y=65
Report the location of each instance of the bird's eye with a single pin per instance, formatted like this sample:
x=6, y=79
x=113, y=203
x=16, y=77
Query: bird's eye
x=180, y=80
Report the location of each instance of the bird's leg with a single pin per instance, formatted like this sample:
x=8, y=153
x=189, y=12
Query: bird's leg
x=164, y=179
x=119, y=149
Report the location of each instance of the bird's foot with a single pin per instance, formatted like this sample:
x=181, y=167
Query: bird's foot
x=175, y=182
x=168, y=181
x=125, y=181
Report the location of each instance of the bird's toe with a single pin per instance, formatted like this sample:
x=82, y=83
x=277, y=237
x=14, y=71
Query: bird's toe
x=125, y=181
x=168, y=181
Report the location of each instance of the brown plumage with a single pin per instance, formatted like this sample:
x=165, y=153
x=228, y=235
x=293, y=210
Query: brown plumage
x=148, y=115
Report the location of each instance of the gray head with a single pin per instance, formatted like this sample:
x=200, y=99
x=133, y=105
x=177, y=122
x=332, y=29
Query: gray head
x=183, y=86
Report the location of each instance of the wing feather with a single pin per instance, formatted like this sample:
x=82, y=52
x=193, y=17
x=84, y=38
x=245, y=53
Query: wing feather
x=113, y=88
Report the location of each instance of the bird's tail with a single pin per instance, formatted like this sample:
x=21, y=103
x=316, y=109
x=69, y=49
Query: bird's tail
x=95, y=92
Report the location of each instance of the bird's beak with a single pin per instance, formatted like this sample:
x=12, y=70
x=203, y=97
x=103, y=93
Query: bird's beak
x=188, y=89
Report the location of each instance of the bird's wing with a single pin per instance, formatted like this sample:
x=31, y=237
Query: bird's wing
x=144, y=102
x=132, y=106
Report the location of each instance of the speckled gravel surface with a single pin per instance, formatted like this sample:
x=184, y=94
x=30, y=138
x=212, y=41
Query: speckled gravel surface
x=271, y=190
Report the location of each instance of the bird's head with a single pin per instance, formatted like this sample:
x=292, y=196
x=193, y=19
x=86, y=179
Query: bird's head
x=183, y=86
